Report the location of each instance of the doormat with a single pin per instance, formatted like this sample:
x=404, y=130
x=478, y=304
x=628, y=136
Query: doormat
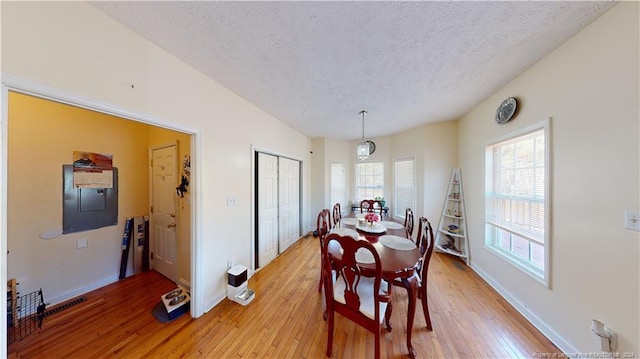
x=160, y=313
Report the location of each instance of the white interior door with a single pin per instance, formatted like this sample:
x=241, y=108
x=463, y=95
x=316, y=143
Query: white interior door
x=289, y=202
x=163, y=211
x=267, y=197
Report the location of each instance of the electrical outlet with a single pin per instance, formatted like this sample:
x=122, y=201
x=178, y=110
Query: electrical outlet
x=231, y=201
x=81, y=243
x=632, y=220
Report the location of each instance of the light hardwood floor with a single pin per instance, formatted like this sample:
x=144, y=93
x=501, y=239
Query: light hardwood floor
x=470, y=320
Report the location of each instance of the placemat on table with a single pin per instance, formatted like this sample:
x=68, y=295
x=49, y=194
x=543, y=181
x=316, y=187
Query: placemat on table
x=349, y=221
x=397, y=242
x=345, y=232
x=392, y=225
x=364, y=256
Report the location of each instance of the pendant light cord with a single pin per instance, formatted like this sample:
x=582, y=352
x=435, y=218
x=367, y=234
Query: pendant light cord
x=363, y=112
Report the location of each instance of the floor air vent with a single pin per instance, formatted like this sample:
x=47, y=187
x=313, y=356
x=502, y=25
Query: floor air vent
x=64, y=306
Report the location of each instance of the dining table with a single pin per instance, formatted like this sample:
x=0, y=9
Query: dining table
x=399, y=257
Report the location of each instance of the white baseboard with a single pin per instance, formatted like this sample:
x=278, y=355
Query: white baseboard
x=63, y=297
x=540, y=324
x=184, y=284
x=213, y=302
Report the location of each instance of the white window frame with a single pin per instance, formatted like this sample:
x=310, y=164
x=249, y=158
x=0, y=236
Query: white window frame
x=337, y=194
x=541, y=275
x=399, y=210
x=374, y=191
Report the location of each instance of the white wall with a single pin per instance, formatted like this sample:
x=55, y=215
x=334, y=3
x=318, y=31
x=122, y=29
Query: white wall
x=338, y=151
x=589, y=89
x=435, y=149
x=71, y=47
x=318, y=185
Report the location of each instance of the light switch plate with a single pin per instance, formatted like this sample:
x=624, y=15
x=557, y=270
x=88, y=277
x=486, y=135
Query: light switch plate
x=632, y=220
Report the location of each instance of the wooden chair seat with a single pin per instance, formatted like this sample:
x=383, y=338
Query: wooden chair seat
x=365, y=292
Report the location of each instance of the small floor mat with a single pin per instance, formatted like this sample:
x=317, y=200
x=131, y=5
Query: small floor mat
x=161, y=315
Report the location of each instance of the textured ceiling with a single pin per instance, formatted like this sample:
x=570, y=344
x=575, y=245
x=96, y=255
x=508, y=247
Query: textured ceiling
x=315, y=65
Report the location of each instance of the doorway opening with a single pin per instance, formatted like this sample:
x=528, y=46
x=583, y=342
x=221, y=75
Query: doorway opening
x=40, y=211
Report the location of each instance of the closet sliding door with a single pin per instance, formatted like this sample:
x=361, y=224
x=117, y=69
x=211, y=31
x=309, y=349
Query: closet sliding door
x=277, y=206
x=288, y=202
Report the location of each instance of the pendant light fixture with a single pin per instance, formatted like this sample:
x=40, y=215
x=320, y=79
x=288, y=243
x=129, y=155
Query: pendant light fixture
x=363, y=147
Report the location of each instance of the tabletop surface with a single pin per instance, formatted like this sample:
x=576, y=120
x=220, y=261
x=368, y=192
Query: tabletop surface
x=395, y=262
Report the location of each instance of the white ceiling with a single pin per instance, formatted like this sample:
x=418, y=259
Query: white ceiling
x=315, y=65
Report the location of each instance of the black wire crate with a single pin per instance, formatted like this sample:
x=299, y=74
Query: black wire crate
x=25, y=314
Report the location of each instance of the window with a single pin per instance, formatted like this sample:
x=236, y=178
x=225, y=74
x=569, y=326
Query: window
x=516, y=180
x=404, y=186
x=369, y=180
x=338, y=185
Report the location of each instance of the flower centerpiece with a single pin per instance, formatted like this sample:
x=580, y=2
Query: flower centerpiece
x=371, y=218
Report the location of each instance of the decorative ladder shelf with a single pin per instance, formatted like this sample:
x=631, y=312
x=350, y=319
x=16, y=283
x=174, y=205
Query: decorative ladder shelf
x=451, y=237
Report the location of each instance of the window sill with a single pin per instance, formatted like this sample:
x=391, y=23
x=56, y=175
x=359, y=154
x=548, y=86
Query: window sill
x=537, y=274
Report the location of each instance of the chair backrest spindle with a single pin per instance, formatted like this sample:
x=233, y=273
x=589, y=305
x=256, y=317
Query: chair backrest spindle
x=408, y=222
x=337, y=214
x=371, y=205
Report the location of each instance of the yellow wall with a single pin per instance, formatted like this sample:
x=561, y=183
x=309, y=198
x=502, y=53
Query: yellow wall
x=42, y=137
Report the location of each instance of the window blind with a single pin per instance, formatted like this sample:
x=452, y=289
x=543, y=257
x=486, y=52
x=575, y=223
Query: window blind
x=404, y=186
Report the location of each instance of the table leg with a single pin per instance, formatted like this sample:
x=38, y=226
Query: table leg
x=411, y=285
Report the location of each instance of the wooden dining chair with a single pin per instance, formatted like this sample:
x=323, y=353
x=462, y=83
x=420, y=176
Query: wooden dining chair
x=337, y=214
x=322, y=229
x=425, y=242
x=356, y=293
x=371, y=205
x=408, y=222
x=378, y=207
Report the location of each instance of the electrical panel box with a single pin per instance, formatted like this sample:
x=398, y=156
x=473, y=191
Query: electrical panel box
x=84, y=209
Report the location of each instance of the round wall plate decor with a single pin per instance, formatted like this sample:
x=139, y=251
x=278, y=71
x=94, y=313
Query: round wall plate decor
x=505, y=111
